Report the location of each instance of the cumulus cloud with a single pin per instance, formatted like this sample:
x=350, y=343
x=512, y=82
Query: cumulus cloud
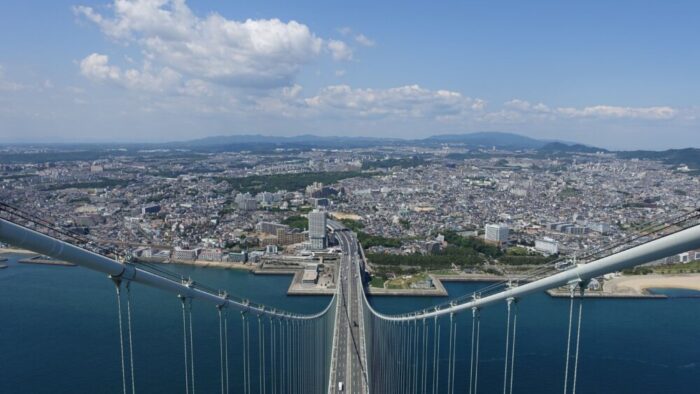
x=520, y=108
x=409, y=101
x=340, y=50
x=364, y=40
x=607, y=111
x=526, y=107
x=254, y=52
x=96, y=67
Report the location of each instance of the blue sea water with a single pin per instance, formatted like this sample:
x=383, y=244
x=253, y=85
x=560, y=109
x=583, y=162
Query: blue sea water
x=58, y=334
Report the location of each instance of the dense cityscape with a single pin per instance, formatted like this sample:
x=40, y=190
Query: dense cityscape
x=419, y=204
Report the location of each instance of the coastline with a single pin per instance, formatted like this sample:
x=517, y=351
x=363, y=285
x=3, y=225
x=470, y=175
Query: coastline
x=640, y=284
x=628, y=286
x=15, y=251
x=208, y=264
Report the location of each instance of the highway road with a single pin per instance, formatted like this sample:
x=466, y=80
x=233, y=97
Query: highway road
x=349, y=327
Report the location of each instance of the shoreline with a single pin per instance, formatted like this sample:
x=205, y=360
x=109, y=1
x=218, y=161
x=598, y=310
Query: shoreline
x=628, y=286
x=640, y=284
x=207, y=264
x=43, y=261
x=15, y=251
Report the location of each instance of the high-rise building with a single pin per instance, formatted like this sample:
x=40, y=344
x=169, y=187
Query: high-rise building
x=317, y=230
x=496, y=233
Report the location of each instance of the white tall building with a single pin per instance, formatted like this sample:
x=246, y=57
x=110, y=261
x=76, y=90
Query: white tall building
x=496, y=233
x=317, y=230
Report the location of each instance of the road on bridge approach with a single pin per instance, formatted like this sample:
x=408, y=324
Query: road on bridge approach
x=349, y=355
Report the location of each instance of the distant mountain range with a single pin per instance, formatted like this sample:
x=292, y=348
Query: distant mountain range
x=263, y=143
x=488, y=140
x=570, y=148
x=675, y=157
x=298, y=140
x=498, y=140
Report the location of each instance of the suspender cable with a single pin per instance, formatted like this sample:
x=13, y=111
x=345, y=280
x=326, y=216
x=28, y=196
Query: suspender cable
x=454, y=357
x=402, y=356
x=568, y=339
x=282, y=347
x=476, y=355
x=424, y=377
x=512, y=354
x=189, y=311
x=582, y=287
x=436, y=354
x=261, y=341
x=221, y=350
x=505, y=364
x=415, y=353
x=226, y=349
x=245, y=348
x=247, y=354
x=449, y=355
x=471, y=352
x=290, y=364
x=117, y=284
x=184, y=340
x=273, y=367
x=131, y=343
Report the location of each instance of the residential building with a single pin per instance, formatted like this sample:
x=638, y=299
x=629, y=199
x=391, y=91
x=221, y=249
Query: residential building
x=496, y=233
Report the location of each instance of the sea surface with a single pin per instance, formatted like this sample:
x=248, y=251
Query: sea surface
x=59, y=334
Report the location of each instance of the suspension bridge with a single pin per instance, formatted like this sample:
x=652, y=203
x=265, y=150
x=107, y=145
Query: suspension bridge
x=349, y=346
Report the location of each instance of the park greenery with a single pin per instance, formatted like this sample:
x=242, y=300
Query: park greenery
x=368, y=240
x=354, y=225
x=472, y=243
x=300, y=222
x=461, y=252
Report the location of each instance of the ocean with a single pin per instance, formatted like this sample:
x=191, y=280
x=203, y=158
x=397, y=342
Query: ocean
x=59, y=334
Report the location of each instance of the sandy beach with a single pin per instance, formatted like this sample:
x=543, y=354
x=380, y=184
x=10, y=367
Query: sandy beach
x=15, y=251
x=638, y=284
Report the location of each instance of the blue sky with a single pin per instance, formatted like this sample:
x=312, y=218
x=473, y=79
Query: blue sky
x=620, y=74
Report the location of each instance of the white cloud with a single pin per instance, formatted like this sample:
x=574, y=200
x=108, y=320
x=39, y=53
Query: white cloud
x=260, y=53
x=409, y=101
x=96, y=67
x=521, y=108
x=526, y=106
x=607, y=111
x=364, y=40
x=340, y=50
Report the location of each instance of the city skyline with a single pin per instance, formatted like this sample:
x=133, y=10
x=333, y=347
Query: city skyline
x=615, y=76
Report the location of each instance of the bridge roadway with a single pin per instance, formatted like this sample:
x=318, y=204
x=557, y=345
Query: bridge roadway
x=349, y=327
